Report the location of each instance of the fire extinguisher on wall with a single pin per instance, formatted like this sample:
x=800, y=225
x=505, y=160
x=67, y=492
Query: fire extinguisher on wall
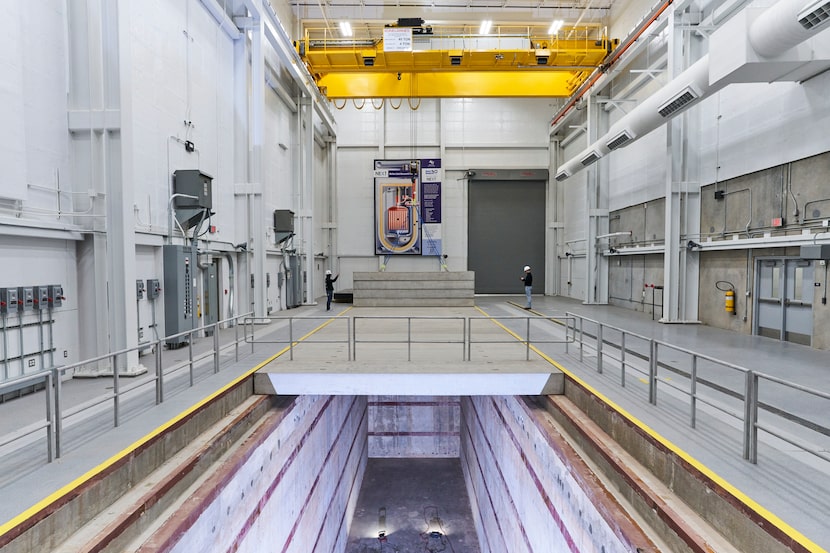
x=729, y=295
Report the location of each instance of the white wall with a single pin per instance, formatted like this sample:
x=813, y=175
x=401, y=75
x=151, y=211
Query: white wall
x=465, y=133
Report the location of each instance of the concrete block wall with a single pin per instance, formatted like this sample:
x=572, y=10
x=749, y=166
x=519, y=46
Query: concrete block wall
x=296, y=491
x=414, y=289
x=525, y=494
x=414, y=426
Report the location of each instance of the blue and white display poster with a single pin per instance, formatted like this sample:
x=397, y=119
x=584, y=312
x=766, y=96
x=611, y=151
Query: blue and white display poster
x=397, y=197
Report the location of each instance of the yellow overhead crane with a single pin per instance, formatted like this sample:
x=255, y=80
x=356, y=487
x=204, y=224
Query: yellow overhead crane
x=491, y=66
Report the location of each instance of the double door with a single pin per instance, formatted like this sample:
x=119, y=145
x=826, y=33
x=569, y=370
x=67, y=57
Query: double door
x=784, y=299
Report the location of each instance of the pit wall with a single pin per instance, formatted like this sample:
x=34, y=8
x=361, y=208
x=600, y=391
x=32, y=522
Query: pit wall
x=529, y=491
x=293, y=489
x=414, y=426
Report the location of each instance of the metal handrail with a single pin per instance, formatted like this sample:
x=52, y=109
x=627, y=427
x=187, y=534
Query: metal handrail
x=466, y=338
x=749, y=397
x=52, y=378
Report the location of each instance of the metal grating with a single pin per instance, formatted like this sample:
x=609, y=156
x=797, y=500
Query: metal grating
x=589, y=159
x=817, y=15
x=562, y=175
x=620, y=140
x=678, y=102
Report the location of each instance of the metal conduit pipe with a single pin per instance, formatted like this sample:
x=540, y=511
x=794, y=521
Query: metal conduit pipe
x=772, y=36
x=630, y=40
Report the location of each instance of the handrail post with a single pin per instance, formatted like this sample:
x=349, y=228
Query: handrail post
x=527, y=339
x=464, y=344
x=50, y=419
x=349, y=337
x=354, y=338
x=581, y=339
x=291, y=338
x=190, y=355
x=115, y=393
x=409, y=338
x=599, y=348
x=58, y=414
x=216, y=348
x=159, y=374
x=468, y=337
x=622, y=359
x=652, y=374
x=751, y=418
x=567, y=326
x=236, y=342
x=693, y=390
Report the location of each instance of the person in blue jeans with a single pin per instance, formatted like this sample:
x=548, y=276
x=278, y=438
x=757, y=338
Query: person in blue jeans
x=527, y=278
x=330, y=288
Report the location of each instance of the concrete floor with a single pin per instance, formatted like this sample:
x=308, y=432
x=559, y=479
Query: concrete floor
x=417, y=497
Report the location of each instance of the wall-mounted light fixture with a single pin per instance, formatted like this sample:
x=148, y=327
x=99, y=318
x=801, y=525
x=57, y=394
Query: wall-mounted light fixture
x=345, y=28
x=485, y=27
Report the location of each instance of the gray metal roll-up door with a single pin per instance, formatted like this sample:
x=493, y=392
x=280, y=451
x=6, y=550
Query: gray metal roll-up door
x=506, y=232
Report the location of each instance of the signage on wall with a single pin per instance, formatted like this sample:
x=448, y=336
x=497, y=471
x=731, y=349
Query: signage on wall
x=397, y=196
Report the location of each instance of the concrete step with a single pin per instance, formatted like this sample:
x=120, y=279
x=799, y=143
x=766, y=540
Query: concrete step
x=414, y=289
x=146, y=502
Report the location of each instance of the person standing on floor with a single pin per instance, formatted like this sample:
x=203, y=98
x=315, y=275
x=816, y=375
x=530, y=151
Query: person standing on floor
x=527, y=278
x=330, y=288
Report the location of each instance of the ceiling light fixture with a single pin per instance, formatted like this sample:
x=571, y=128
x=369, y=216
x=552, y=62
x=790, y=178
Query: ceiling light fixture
x=345, y=28
x=485, y=27
x=555, y=26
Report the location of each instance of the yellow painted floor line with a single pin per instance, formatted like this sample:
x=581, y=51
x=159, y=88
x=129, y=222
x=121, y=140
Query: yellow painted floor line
x=52, y=498
x=794, y=534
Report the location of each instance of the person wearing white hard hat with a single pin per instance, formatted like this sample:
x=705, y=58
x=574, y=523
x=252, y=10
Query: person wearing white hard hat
x=330, y=287
x=527, y=278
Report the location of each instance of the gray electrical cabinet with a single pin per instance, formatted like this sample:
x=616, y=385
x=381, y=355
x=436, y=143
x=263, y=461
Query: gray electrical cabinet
x=294, y=283
x=179, y=292
x=197, y=196
x=210, y=309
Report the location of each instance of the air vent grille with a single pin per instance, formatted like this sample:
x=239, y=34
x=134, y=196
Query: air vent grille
x=562, y=175
x=815, y=16
x=678, y=102
x=589, y=159
x=620, y=140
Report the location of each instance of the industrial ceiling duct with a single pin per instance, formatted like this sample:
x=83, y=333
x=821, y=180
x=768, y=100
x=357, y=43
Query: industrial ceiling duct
x=815, y=14
x=620, y=140
x=775, y=31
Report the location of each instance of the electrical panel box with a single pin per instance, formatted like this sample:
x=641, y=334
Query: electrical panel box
x=193, y=182
x=41, y=297
x=56, y=295
x=139, y=289
x=153, y=288
x=179, y=283
x=283, y=220
x=26, y=298
x=8, y=300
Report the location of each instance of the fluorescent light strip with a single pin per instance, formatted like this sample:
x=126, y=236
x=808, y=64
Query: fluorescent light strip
x=555, y=26
x=485, y=27
x=345, y=28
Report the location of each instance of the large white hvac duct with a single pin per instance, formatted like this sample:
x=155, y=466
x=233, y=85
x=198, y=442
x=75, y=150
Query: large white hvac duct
x=755, y=46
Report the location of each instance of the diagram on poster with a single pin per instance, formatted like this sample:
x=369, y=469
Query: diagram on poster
x=397, y=197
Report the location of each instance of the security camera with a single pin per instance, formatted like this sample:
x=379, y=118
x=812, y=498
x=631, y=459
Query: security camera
x=399, y=75
x=471, y=173
x=691, y=245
